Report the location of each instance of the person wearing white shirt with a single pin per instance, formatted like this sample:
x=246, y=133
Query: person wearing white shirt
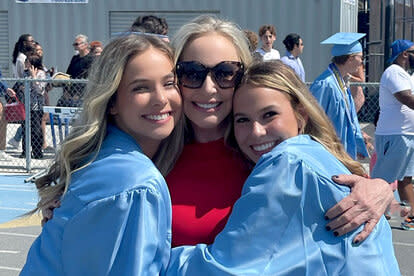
x=394, y=136
x=267, y=35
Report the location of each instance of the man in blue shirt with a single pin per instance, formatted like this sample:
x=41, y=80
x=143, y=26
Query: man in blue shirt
x=294, y=48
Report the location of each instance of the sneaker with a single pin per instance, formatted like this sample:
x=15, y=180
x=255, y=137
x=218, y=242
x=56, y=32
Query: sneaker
x=4, y=156
x=14, y=143
x=408, y=223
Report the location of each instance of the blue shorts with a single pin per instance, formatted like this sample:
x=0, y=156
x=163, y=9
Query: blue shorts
x=395, y=157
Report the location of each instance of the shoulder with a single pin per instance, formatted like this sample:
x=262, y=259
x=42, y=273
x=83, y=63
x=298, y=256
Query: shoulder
x=395, y=71
x=120, y=166
x=323, y=81
x=305, y=153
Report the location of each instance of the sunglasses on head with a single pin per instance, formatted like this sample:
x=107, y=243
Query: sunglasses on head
x=192, y=74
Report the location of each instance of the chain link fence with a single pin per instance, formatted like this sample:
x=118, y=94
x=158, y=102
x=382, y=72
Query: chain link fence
x=34, y=121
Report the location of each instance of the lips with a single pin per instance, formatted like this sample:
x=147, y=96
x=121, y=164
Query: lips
x=264, y=147
x=158, y=117
x=207, y=105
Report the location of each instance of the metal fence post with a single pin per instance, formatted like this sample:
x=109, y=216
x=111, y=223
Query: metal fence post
x=27, y=140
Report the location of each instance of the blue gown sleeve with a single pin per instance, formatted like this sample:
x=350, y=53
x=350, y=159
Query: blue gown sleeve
x=277, y=227
x=128, y=231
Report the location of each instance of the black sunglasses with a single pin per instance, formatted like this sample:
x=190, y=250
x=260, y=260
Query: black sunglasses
x=410, y=51
x=77, y=44
x=192, y=74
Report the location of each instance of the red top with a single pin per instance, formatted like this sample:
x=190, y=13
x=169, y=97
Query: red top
x=204, y=184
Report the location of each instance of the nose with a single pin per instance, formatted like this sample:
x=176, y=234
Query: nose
x=258, y=129
x=160, y=97
x=209, y=85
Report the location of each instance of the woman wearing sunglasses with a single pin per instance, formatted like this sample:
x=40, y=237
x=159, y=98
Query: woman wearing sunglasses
x=211, y=55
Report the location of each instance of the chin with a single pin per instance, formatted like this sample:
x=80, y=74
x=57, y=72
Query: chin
x=161, y=134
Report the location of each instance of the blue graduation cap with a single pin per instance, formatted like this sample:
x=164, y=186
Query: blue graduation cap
x=344, y=43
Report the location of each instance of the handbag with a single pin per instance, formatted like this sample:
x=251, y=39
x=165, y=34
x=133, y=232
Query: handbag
x=15, y=112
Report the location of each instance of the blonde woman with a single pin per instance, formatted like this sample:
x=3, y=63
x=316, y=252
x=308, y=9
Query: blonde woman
x=115, y=214
x=277, y=226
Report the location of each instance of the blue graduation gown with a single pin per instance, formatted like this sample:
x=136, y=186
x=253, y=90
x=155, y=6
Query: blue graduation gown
x=328, y=93
x=277, y=227
x=115, y=218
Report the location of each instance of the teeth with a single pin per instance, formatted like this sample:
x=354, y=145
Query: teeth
x=207, y=106
x=158, y=117
x=263, y=147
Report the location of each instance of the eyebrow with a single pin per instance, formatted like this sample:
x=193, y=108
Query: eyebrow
x=269, y=107
x=169, y=75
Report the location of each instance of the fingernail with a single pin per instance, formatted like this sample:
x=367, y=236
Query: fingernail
x=334, y=176
x=326, y=218
x=328, y=228
x=336, y=234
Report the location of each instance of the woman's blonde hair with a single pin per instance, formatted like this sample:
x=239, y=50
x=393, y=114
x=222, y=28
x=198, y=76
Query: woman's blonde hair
x=83, y=143
x=278, y=76
x=201, y=26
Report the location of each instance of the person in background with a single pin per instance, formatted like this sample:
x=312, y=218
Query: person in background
x=4, y=89
x=115, y=214
x=151, y=24
x=394, y=134
x=35, y=70
x=267, y=34
x=96, y=48
x=78, y=69
x=277, y=226
x=23, y=47
x=38, y=50
x=294, y=48
x=333, y=94
x=253, y=40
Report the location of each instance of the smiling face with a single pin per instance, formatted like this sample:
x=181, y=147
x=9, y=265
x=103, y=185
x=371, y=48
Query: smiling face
x=206, y=107
x=263, y=118
x=148, y=103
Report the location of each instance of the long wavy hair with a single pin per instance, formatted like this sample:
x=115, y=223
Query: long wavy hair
x=204, y=25
x=83, y=143
x=276, y=75
x=20, y=47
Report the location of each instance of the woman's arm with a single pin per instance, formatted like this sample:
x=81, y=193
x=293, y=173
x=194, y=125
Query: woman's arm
x=367, y=203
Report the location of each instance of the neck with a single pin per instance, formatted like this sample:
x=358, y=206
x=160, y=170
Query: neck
x=204, y=135
x=266, y=49
x=149, y=148
x=294, y=53
x=403, y=63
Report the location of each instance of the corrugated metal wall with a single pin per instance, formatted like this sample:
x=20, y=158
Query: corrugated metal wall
x=56, y=25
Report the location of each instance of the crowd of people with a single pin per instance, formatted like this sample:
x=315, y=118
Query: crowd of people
x=27, y=62
x=208, y=155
